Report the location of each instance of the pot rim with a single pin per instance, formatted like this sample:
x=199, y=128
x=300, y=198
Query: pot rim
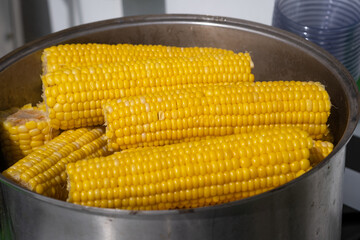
x=321, y=55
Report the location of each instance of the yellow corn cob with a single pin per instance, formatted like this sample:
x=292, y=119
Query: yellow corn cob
x=76, y=55
x=74, y=97
x=191, y=174
x=43, y=170
x=319, y=151
x=22, y=130
x=173, y=116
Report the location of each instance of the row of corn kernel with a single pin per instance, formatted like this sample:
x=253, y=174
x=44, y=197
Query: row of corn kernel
x=76, y=55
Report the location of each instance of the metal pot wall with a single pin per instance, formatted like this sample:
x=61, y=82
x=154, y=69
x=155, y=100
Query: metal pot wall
x=309, y=207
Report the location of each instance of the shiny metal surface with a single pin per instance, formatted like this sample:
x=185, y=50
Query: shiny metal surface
x=306, y=208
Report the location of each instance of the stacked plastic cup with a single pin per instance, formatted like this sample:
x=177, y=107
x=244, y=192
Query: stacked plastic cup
x=332, y=24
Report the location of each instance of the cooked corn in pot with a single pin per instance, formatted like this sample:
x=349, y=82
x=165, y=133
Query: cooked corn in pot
x=173, y=116
x=193, y=128
x=191, y=174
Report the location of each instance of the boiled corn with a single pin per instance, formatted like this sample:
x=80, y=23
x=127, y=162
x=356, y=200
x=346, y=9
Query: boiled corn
x=78, y=55
x=191, y=174
x=43, y=170
x=173, y=116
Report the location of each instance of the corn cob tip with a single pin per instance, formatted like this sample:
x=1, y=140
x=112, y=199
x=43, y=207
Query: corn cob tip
x=320, y=150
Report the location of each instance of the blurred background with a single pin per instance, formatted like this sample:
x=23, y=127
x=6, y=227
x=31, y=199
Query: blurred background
x=22, y=21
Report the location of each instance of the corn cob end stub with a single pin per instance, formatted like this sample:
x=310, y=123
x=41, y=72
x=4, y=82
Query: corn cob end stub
x=24, y=130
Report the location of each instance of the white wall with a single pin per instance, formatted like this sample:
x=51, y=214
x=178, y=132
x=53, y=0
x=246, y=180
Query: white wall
x=252, y=10
x=11, y=35
x=68, y=13
x=5, y=28
x=85, y=11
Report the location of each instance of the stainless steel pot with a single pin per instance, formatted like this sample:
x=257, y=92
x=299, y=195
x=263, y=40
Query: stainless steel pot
x=309, y=207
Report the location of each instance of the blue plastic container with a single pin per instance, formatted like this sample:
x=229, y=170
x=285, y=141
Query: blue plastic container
x=332, y=24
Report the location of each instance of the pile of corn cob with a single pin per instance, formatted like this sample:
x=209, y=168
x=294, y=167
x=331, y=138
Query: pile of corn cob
x=148, y=127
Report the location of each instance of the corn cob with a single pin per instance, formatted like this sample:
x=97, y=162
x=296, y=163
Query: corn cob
x=78, y=55
x=22, y=130
x=74, y=97
x=191, y=174
x=320, y=151
x=43, y=170
x=173, y=116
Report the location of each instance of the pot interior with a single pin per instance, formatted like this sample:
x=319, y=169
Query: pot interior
x=277, y=56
